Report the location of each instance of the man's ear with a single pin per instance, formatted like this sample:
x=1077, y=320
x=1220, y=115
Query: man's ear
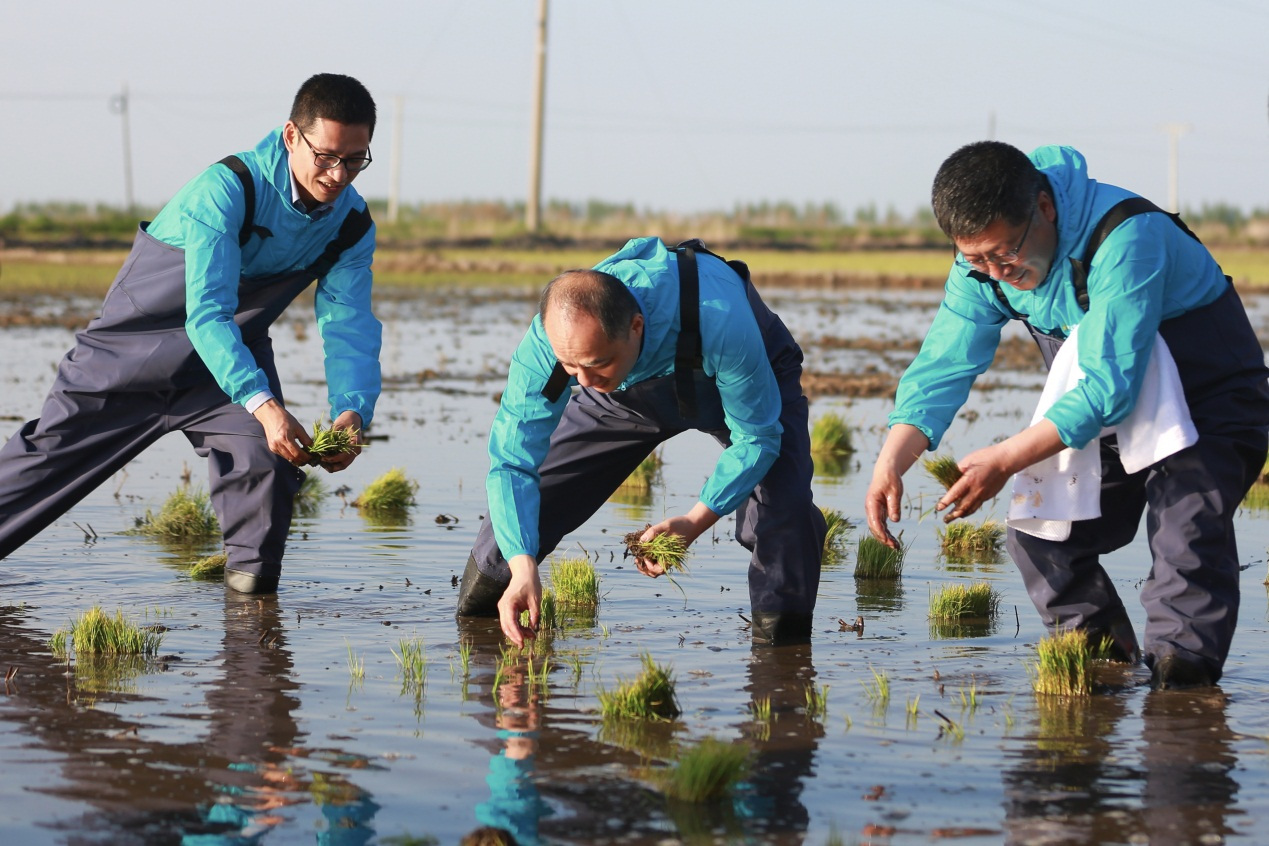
x=290, y=136
x=636, y=324
x=1044, y=201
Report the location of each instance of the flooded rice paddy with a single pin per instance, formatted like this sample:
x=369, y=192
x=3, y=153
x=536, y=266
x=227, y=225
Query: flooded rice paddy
x=254, y=726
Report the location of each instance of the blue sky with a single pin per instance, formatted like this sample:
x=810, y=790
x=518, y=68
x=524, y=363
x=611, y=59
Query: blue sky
x=672, y=106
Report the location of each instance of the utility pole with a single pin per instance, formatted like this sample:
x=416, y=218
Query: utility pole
x=119, y=105
x=394, y=160
x=1174, y=131
x=533, y=208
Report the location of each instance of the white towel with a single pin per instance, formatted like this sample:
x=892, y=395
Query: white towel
x=1050, y=494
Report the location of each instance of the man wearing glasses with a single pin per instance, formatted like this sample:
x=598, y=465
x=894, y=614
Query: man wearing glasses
x=1024, y=228
x=182, y=340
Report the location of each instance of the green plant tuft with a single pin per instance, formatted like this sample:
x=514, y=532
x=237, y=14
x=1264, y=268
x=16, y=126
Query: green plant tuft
x=958, y=601
x=210, y=568
x=667, y=549
x=647, y=475
x=327, y=442
x=93, y=632
x=575, y=582
x=705, y=772
x=649, y=696
x=839, y=529
x=831, y=436
x=1064, y=665
x=185, y=516
x=943, y=468
x=962, y=540
x=875, y=560
x=390, y=492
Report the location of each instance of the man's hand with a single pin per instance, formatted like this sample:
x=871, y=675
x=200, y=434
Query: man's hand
x=523, y=593
x=986, y=471
x=340, y=461
x=285, y=435
x=903, y=446
x=689, y=527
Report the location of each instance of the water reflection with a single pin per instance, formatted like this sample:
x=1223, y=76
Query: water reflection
x=230, y=786
x=1080, y=782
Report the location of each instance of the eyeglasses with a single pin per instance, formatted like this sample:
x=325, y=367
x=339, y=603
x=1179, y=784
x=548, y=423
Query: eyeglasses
x=327, y=161
x=1009, y=258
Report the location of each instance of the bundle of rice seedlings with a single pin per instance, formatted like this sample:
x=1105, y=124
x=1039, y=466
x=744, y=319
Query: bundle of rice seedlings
x=390, y=492
x=875, y=560
x=1257, y=498
x=831, y=436
x=646, y=475
x=575, y=581
x=649, y=696
x=327, y=442
x=965, y=540
x=839, y=529
x=1065, y=663
x=548, y=613
x=959, y=601
x=943, y=468
x=667, y=549
x=309, y=497
x=93, y=632
x=210, y=568
x=705, y=772
x=185, y=516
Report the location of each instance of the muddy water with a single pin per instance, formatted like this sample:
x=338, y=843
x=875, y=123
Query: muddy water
x=251, y=728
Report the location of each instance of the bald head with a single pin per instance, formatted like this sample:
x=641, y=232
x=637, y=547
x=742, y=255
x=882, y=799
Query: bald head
x=590, y=294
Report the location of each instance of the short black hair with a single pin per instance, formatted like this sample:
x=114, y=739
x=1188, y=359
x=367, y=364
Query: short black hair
x=333, y=96
x=595, y=293
x=981, y=183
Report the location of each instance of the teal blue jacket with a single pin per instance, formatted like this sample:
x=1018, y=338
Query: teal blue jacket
x=1147, y=271
x=204, y=220
x=734, y=357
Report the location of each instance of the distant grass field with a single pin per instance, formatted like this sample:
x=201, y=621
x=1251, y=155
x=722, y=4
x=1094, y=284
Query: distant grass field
x=90, y=272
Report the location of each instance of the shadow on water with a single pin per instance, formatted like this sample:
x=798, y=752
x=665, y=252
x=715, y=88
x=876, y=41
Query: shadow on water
x=229, y=785
x=559, y=776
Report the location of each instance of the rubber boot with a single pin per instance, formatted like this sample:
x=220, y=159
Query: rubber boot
x=780, y=628
x=1123, y=640
x=478, y=594
x=1173, y=671
x=250, y=582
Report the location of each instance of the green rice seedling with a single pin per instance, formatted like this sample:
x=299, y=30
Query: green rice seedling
x=943, y=468
x=760, y=709
x=959, y=601
x=648, y=696
x=1064, y=665
x=878, y=692
x=57, y=644
x=834, y=836
x=185, y=516
x=412, y=661
x=831, y=436
x=309, y=497
x=647, y=475
x=839, y=529
x=464, y=655
x=392, y=491
x=705, y=772
x=964, y=540
x=575, y=582
x=210, y=568
x=816, y=701
x=913, y=708
x=1257, y=498
x=356, y=665
x=950, y=728
x=667, y=549
x=328, y=442
x=969, y=697
x=548, y=613
x=94, y=632
x=875, y=560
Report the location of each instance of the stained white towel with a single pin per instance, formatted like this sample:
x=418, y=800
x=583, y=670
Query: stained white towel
x=1050, y=494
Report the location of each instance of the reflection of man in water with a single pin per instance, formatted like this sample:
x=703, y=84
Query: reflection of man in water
x=514, y=804
x=660, y=342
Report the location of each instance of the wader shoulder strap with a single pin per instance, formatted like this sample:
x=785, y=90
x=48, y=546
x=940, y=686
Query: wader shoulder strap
x=979, y=276
x=1116, y=215
x=688, y=355
x=555, y=383
x=355, y=226
x=249, y=189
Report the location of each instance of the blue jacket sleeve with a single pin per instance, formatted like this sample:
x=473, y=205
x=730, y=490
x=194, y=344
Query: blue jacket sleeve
x=351, y=335
x=736, y=357
x=1115, y=338
x=960, y=345
x=518, y=441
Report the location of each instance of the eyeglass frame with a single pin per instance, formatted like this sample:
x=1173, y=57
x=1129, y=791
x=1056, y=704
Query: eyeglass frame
x=347, y=161
x=1009, y=258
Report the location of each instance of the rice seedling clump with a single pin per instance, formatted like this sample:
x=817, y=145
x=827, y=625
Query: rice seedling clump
x=943, y=468
x=649, y=696
x=667, y=549
x=958, y=601
x=575, y=582
x=965, y=539
x=831, y=436
x=1064, y=665
x=210, y=568
x=646, y=475
x=392, y=491
x=839, y=529
x=705, y=772
x=328, y=442
x=875, y=560
x=93, y=632
x=185, y=516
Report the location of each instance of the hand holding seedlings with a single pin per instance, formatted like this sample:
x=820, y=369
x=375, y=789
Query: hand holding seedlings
x=284, y=434
x=336, y=447
x=524, y=593
x=656, y=553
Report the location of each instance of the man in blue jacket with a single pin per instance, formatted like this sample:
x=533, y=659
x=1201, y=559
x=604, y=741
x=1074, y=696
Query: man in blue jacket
x=660, y=341
x=182, y=340
x=1022, y=226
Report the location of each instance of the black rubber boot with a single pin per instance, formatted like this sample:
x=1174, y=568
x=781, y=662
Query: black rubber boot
x=478, y=594
x=1123, y=640
x=250, y=582
x=1173, y=671
x=780, y=628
